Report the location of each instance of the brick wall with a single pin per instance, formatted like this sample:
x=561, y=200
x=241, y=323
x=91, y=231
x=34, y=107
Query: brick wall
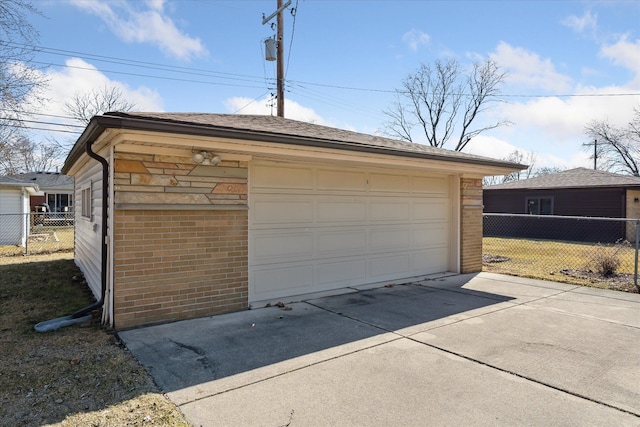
x=180, y=238
x=172, y=265
x=470, y=225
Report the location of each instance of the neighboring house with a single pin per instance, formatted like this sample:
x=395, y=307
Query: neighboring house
x=56, y=190
x=210, y=213
x=14, y=210
x=575, y=192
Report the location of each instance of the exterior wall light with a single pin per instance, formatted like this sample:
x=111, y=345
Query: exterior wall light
x=206, y=158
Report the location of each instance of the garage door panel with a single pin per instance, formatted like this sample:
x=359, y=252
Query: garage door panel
x=429, y=185
x=281, y=280
x=343, y=242
x=383, y=267
x=428, y=261
x=341, y=273
x=341, y=180
x=389, y=183
x=343, y=227
x=394, y=210
x=429, y=235
x=430, y=209
x=390, y=238
x=276, y=211
x=281, y=177
x=282, y=246
x=340, y=210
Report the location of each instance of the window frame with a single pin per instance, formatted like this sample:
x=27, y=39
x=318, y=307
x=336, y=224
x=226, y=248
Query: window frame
x=86, y=195
x=538, y=201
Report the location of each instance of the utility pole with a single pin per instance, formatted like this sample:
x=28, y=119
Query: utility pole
x=280, y=53
x=595, y=154
x=280, y=66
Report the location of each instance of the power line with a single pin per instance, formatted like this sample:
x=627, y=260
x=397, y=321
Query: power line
x=147, y=75
x=246, y=78
x=43, y=129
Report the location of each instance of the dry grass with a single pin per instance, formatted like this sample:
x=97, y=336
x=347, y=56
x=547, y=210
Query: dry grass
x=558, y=261
x=43, y=240
x=76, y=376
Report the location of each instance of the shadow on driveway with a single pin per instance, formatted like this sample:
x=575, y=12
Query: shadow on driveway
x=192, y=352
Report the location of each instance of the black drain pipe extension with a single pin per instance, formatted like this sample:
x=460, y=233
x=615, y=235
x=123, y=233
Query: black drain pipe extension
x=105, y=209
x=84, y=314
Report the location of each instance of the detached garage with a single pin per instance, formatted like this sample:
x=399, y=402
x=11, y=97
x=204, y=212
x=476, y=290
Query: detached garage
x=188, y=215
x=15, y=223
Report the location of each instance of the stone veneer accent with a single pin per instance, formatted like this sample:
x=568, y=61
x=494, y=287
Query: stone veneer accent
x=180, y=239
x=148, y=179
x=470, y=225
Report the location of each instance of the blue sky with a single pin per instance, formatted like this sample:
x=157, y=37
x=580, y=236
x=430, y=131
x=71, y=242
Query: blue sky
x=565, y=60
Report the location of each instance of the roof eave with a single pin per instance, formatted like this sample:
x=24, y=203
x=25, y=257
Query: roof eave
x=99, y=124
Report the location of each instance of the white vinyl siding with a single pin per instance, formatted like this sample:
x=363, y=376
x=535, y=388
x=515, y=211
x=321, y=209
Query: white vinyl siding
x=14, y=205
x=88, y=231
x=317, y=228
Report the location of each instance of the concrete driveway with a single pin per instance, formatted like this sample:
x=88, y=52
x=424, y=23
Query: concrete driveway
x=481, y=349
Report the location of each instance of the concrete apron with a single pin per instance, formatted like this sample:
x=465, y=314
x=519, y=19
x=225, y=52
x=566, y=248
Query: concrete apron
x=481, y=349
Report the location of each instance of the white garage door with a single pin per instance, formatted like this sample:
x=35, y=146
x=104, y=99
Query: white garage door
x=319, y=228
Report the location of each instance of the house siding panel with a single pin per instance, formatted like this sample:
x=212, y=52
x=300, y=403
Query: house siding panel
x=88, y=231
x=590, y=202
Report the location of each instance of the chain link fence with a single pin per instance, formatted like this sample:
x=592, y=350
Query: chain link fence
x=600, y=252
x=36, y=233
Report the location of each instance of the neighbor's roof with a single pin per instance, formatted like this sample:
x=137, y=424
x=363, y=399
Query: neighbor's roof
x=269, y=129
x=44, y=180
x=16, y=181
x=572, y=178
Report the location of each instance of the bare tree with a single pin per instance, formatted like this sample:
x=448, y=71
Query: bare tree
x=516, y=156
x=617, y=147
x=20, y=155
x=19, y=82
x=442, y=100
x=83, y=106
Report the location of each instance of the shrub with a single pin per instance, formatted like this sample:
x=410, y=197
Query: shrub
x=605, y=259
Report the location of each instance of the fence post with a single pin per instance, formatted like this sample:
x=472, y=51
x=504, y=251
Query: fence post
x=635, y=277
x=26, y=233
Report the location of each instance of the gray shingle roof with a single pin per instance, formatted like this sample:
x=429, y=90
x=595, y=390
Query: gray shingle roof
x=44, y=180
x=16, y=181
x=572, y=178
x=288, y=127
x=270, y=129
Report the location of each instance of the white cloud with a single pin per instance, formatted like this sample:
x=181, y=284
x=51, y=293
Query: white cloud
x=262, y=107
x=150, y=25
x=528, y=69
x=490, y=146
x=414, y=39
x=626, y=54
x=580, y=24
x=81, y=77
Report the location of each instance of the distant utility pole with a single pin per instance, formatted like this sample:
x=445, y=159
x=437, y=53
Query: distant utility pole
x=280, y=52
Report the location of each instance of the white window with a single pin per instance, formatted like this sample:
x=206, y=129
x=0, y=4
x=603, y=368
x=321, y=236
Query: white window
x=87, y=202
